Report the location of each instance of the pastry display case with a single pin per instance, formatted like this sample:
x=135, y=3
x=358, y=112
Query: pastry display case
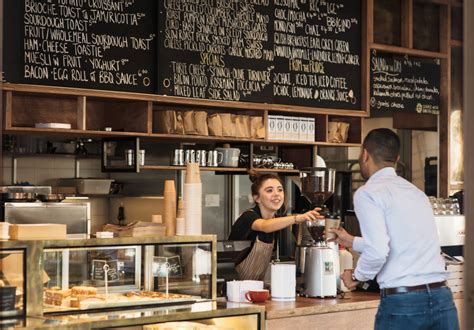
x=12, y=282
x=90, y=275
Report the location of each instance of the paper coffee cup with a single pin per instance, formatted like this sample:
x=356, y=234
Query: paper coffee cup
x=330, y=224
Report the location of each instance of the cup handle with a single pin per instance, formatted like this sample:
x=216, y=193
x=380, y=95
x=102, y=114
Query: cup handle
x=221, y=155
x=247, y=296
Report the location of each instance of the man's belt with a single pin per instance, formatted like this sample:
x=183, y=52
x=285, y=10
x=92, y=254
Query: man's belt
x=406, y=289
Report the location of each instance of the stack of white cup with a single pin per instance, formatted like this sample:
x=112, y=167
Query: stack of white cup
x=193, y=200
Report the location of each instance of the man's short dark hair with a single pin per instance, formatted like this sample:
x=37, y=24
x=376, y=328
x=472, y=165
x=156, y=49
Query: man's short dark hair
x=383, y=145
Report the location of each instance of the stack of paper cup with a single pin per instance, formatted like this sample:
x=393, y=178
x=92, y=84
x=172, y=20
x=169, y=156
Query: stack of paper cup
x=192, y=200
x=180, y=222
x=169, y=208
x=4, y=230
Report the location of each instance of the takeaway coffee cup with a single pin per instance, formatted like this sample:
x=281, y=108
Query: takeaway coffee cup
x=257, y=296
x=330, y=223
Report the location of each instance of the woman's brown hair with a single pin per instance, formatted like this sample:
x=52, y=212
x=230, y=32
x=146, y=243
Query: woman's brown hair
x=258, y=180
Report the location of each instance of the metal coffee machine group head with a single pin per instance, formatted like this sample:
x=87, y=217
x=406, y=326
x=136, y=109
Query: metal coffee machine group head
x=320, y=273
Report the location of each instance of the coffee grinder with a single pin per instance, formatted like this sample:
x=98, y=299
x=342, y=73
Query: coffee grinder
x=320, y=263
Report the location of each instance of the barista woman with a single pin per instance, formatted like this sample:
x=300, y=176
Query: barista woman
x=259, y=224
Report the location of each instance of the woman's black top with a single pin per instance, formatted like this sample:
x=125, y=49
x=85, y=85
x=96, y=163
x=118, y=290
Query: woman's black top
x=242, y=230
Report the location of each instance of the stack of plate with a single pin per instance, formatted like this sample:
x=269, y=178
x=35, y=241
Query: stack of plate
x=4, y=231
x=53, y=125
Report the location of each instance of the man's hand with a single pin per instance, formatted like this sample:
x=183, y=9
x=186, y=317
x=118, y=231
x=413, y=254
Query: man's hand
x=348, y=281
x=343, y=237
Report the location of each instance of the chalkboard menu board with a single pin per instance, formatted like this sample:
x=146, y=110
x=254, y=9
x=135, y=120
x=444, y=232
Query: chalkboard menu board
x=295, y=52
x=81, y=43
x=403, y=84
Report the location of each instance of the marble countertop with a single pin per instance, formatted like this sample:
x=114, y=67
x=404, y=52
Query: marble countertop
x=309, y=306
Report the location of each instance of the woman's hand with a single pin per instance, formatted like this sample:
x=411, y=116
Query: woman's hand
x=311, y=215
x=343, y=237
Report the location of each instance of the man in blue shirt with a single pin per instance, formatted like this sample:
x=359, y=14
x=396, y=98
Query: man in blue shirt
x=399, y=243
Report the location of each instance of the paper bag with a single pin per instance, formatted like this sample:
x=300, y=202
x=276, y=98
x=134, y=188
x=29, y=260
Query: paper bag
x=227, y=125
x=257, y=130
x=239, y=126
x=164, y=121
x=200, y=122
x=214, y=124
x=179, y=124
x=338, y=132
x=188, y=120
x=246, y=126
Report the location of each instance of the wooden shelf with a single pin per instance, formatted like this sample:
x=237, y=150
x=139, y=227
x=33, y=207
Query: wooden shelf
x=89, y=112
x=45, y=154
x=218, y=169
x=178, y=168
x=275, y=170
x=173, y=100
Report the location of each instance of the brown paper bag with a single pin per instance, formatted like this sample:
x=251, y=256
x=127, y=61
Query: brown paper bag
x=179, y=124
x=257, y=130
x=164, y=121
x=246, y=126
x=227, y=125
x=188, y=120
x=200, y=122
x=239, y=126
x=214, y=124
x=338, y=132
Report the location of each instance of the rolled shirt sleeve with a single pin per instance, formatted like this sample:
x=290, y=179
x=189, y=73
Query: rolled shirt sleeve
x=358, y=244
x=374, y=246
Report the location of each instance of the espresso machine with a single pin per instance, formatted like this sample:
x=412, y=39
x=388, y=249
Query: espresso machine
x=321, y=262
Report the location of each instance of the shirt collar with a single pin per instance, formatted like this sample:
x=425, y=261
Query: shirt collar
x=386, y=171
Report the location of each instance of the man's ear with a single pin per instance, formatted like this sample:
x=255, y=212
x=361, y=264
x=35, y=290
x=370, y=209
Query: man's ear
x=365, y=155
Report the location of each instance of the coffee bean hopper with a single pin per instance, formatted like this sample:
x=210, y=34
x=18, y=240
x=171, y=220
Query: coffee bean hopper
x=320, y=271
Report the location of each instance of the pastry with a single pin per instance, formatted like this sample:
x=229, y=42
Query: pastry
x=83, y=291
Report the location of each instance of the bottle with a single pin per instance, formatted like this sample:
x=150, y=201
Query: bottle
x=121, y=215
x=346, y=262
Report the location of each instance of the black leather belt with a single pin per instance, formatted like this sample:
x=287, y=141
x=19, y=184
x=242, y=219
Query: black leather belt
x=406, y=289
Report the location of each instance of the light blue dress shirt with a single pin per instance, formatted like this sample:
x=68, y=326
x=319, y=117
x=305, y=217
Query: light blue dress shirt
x=399, y=241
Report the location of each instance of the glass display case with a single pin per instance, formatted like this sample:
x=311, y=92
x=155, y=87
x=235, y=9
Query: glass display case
x=95, y=277
x=12, y=282
x=90, y=275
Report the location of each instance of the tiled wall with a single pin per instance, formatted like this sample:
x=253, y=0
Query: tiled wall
x=136, y=208
x=46, y=170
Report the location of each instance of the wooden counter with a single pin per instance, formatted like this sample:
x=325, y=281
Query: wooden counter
x=355, y=311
